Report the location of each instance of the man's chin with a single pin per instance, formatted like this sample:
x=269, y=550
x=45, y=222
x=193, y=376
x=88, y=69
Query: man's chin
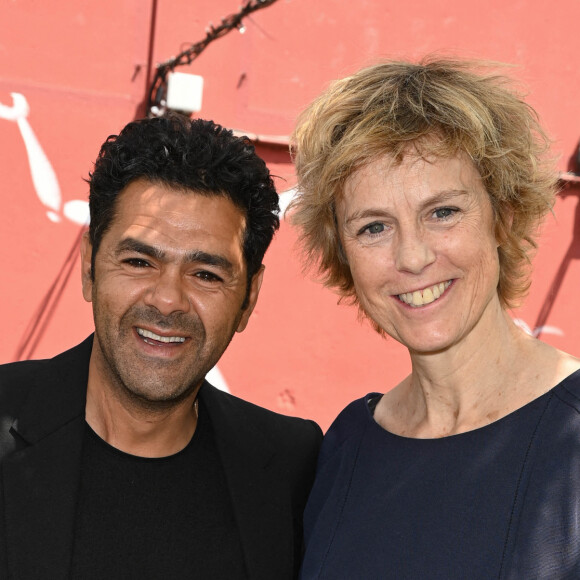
x=157, y=397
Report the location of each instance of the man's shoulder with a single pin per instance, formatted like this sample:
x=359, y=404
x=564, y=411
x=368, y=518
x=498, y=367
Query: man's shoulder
x=269, y=423
x=18, y=379
x=250, y=435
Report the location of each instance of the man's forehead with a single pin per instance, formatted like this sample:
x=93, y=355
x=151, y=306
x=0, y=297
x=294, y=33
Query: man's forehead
x=160, y=196
x=161, y=219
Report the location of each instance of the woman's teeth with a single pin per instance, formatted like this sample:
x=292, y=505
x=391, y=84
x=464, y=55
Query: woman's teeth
x=425, y=296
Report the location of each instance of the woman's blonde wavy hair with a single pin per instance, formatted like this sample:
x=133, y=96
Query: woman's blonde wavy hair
x=436, y=107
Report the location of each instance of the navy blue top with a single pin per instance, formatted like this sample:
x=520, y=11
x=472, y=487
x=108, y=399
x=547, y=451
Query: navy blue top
x=502, y=501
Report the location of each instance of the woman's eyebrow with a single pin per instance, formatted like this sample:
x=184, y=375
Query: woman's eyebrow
x=367, y=213
x=442, y=196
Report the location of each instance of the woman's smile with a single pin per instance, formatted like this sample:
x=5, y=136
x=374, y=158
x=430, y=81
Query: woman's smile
x=425, y=296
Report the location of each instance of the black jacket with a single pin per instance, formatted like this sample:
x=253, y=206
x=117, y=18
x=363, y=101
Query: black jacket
x=269, y=461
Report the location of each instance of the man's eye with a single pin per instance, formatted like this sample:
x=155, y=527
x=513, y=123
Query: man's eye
x=137, y=263
x=208, y=276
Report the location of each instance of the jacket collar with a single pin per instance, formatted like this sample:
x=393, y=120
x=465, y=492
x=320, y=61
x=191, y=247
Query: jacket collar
x=40, y=481
x=57, y=394
x=262, y=508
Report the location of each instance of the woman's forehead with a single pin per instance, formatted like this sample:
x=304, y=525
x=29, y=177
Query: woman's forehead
x=412, y=170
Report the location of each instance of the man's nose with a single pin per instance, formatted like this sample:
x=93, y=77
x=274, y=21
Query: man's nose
x=167, y=294
x=414, y=252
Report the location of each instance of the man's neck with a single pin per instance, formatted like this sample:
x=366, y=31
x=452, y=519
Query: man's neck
x=141, y=429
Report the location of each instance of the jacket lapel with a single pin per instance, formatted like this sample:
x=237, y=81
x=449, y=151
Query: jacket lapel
x=262, y=508
x=40, y=479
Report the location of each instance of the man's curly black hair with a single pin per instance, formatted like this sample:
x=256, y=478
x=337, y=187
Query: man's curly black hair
x=195, y=155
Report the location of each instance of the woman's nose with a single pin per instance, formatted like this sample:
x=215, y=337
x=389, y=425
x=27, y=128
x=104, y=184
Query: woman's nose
x=413, y=251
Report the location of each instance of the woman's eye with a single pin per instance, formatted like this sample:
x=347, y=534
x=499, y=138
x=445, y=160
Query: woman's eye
x=444, y=212
x=374, y=229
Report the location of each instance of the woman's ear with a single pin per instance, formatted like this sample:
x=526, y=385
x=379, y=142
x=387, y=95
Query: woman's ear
x=504, y=218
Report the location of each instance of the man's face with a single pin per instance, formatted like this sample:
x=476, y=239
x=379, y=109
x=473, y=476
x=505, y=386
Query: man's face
x=169, y=284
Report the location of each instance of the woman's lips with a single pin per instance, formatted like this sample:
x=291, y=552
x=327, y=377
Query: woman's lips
x=425, y=296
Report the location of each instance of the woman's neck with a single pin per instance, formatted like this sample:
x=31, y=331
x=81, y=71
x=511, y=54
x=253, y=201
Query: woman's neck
x=476, y=382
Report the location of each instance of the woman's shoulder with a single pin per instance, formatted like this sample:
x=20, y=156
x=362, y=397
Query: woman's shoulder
x=567, y=388
x=543, y=369
x=348, y=427
x=567, y=364
x=354, y=415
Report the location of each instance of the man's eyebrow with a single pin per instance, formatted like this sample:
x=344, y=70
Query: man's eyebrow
x=194, y=256
x=200, y=257
x=133, y=245
x=439, y=197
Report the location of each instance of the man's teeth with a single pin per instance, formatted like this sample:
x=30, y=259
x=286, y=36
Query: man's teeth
x=425, y=296
x=152, y=335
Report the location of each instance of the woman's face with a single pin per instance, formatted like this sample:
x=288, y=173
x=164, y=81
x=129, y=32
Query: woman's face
x=419, y=241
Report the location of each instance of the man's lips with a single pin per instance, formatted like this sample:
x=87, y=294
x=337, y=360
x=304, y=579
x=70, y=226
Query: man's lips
x=148, y=336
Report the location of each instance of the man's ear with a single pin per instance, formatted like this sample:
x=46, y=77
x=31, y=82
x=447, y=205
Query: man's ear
x=86, y=277
x=255, y=286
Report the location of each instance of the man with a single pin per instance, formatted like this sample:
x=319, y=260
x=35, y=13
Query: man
x=117, y=459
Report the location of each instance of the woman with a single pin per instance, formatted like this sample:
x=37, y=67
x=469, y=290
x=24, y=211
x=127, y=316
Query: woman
x=422, y=186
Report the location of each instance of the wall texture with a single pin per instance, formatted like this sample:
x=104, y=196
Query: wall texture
x=73, y=72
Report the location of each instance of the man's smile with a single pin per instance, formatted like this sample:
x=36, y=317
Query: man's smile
x=151, y=338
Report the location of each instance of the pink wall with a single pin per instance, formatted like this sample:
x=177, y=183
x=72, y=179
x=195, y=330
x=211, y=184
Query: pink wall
x=81, y=66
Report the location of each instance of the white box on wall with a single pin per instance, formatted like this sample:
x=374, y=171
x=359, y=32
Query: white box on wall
x=184, y=92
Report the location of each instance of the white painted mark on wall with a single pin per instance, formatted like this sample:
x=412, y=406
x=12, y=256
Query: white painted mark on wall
x=47, y=187
x=538, y=330
x=43, y=175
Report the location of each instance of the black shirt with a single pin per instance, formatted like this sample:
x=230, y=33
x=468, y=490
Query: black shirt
x=168, y=517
